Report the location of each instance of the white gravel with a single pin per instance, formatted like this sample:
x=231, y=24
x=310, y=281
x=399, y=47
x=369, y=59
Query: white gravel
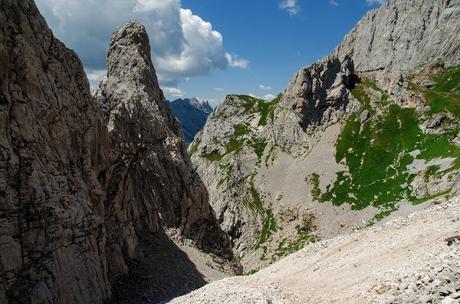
x=406, y=260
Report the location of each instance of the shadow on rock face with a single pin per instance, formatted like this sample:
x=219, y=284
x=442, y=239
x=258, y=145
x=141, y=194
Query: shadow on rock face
x=160, y=272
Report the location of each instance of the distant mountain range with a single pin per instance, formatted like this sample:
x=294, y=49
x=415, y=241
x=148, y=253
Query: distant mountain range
x=192, y=114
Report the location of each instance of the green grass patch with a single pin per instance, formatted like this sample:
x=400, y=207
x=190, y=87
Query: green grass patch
x=448, y=81
x=267, y=110
x=193, y=148
x=304, y=237
x=213, y=156
x=259, y=146
x=431, y=197
x=430, y=171
x=234, y=145
x=445, y=95
x=313, y=180
x=377, y=154
x=269, y=225
x=241, y=130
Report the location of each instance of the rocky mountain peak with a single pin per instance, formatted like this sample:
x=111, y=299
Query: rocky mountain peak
x=91, y=188
x=402, y=38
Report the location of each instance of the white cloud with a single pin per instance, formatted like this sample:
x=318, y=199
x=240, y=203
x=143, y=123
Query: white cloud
x=268, y=97
x=183, y=44
x=376, y=2
x=235, y=62
x=290, y=6
x=173, y=92
x=265, y=88
x=95, y=77
x=333, y=2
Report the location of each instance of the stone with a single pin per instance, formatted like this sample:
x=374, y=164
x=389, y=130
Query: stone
x=364, y=116
x=84, y=181
x=428, y=83
x=449, y=300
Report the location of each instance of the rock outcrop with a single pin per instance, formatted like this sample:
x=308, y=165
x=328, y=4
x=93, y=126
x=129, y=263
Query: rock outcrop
x=403, y=38
x=297, y=150
x=151, y=182
x=82, y=183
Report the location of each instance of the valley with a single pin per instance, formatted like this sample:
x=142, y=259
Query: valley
x=343, y=187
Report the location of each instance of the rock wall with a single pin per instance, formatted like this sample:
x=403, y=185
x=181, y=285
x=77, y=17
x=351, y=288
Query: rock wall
x=80, y=184
x=403, y=37
x=389, y=44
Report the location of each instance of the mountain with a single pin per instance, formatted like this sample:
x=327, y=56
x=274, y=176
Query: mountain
x=98, y=195
x=356, y=138
x=192, y=114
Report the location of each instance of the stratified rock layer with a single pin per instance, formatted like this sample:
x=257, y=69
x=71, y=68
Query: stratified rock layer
x=79, y=186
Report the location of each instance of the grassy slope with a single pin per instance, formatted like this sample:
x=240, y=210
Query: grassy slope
x=378, y=152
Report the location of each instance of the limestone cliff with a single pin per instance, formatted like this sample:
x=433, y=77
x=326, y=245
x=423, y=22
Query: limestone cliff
x=82, y=185
x=346, y=144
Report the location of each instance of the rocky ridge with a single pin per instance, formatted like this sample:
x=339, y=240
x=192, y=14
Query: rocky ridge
x=267, y=165
x=88, y=186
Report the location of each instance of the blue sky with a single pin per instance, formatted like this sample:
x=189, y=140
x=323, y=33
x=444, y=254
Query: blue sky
x=209, y=48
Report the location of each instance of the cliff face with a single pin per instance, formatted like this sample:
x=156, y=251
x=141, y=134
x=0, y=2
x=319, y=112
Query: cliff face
x=318, y=156
x=82, y=183
x=402, y=38
x=53, y=149
x=150, y=182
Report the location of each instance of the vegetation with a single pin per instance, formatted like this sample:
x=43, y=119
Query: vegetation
x=377, y=154
x=241, y=130
x=304, y=237
x=445, y=95
x=269, y=225
x=266, y=109
x=213, y=156
x=193, y=148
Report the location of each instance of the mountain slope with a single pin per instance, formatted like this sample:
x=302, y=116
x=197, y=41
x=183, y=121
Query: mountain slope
x=192, y=114
x=348, y=143
x=408, y=260
x=87, y=188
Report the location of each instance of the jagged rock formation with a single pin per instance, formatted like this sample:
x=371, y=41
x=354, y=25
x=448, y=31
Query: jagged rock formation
x=351, y=131
x=192, y=114
x=390, y=43
x=83, y=188
x=369, y=266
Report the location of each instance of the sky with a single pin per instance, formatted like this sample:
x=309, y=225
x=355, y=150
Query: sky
x=211, y=48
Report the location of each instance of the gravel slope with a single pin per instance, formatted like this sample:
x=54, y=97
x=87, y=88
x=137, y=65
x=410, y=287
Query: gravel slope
x=406, y=260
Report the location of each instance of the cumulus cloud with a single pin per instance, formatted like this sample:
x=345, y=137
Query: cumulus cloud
x=95, y=77
x=268, y=97
x=264, y=87
x=173, y=92
x=183, y=44
x=235, y=62
x=290, y=6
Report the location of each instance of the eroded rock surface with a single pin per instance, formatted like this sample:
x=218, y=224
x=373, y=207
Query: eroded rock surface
x=262, y=159
x=81, y=187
